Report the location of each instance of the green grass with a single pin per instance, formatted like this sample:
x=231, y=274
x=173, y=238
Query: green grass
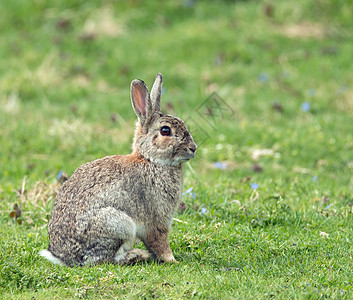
x=65, y=71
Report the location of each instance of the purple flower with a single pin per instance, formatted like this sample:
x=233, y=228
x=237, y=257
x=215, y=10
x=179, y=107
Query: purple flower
x=306, y=106
x=254, y=186
x=203, y=210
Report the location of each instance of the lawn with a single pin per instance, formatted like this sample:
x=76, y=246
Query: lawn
x=266, y=88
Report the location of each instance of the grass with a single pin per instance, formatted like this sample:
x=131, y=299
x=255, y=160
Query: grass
x=281, y=74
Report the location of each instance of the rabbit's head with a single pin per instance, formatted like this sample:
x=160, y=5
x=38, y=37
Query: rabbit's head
x=160, y=138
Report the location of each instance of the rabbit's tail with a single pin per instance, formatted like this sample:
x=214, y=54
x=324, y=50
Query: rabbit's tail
x=49, y=256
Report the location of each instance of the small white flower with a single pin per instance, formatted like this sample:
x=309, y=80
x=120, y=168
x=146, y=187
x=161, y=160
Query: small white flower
x=324, y=234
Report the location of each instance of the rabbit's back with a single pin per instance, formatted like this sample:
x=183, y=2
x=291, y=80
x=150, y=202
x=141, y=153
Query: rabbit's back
x=118, y=181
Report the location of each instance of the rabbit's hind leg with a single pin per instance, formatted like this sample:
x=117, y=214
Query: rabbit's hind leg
x=109, y=235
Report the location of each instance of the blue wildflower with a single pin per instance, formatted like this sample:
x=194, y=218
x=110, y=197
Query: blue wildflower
x=217, y=165
x=315, y=178
x=188, y=191
x=254, y=186
x=203, y=210
x=60, y=175
x=306, y=106
x=220, y=165
x=163, y=90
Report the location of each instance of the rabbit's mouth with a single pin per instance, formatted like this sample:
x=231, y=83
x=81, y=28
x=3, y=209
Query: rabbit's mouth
x=177, y=160
x=180, y=159
x=187, y=152
x=183, y=159
x=189, y=155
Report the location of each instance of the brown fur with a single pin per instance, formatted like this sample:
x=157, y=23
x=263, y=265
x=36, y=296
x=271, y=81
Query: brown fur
x=108, y=203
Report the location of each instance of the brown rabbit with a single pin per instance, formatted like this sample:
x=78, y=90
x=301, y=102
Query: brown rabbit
x=108, y=203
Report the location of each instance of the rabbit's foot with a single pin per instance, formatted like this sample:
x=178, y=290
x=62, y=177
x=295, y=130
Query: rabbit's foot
x=168, y=259
x=123, y=252
x=136, y=255
x=157, y=243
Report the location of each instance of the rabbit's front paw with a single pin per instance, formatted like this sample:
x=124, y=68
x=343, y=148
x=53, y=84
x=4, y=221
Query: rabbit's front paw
x=169, y=258
x=136, y=255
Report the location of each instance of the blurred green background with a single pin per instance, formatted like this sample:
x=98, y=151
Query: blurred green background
x=65, y=70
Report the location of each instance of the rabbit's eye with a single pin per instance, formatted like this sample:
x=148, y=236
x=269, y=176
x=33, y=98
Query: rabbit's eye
x=165, y=131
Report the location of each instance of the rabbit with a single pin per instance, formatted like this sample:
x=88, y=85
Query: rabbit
x=109, y=203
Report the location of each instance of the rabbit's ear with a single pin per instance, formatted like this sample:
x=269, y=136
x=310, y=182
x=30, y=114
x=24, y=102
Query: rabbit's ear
x=140, y=99
x=156, y=93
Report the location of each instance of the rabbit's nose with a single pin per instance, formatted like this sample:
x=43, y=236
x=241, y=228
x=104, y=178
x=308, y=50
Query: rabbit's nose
x=192, y=147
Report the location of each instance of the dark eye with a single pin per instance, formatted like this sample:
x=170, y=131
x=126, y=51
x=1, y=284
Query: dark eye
x=165, y=131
